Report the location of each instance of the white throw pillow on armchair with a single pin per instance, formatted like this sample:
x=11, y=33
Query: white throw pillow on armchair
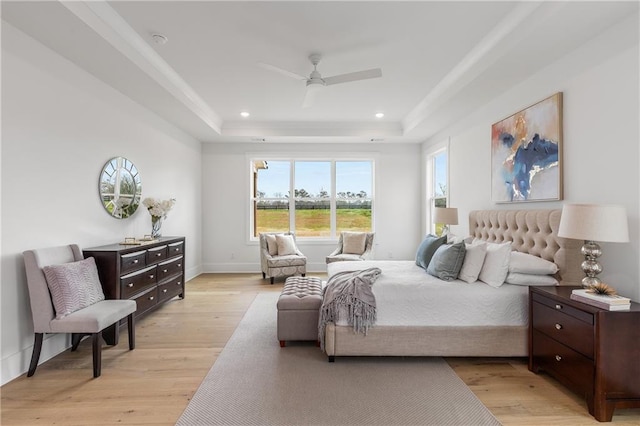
x=353, y=242
x=286, y=245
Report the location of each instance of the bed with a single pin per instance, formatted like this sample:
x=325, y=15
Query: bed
x=455, y=318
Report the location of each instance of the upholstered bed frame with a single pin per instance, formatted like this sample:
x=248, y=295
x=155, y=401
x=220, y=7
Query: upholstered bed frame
x=531, y=231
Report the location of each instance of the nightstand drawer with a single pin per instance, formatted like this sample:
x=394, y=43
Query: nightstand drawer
x=563, y=307
x=565, y=364
x=564, y=328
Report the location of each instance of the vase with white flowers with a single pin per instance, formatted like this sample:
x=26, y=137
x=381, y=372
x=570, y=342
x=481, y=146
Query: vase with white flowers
x=158, y=209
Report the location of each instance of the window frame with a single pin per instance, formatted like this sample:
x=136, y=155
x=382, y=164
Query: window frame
x=292, y=158
x=430, y=191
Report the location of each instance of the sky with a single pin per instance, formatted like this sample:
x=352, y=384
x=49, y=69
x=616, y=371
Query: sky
x=314, y=176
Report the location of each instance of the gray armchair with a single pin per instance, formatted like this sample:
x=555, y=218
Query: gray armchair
x=340, y=255
x=89, y=320
x=276, y=265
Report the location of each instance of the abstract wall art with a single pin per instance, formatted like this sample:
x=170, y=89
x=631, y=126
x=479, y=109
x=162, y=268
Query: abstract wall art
x=526, y=154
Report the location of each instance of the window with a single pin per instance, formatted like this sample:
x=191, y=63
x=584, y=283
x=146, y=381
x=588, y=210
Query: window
x=437, y=186
x=329, y=196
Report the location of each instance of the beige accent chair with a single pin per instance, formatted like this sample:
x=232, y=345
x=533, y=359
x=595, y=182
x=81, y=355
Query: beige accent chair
x=339, y=254
x=90, y=320
x=274, y=265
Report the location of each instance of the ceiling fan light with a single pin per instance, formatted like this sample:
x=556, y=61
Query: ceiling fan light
x=379, y=114
x=244, y=114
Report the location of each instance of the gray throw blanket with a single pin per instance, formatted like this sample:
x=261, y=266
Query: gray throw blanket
x=349, y=292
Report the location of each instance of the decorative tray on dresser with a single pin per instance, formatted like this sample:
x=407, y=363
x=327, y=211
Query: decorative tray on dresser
x=595, y=352
x=150, y=273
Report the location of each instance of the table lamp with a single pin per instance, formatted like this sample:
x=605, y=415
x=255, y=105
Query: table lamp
x=591, y=223
x=447, y=216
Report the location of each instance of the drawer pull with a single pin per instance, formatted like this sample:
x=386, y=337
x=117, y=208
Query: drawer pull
x=164, y=290
x=158, y=254
x=151, y=297
x=136, y=261
x=177, y=249
x=558, y=326
x=558, y=358
x=179, y=265
x=164, y=270
x=150, y=277
x=178, y=283
x=558, y=306
x=130, y=285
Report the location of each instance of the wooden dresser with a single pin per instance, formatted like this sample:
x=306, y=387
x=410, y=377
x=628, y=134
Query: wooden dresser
x=150, y=274
x=594, y=352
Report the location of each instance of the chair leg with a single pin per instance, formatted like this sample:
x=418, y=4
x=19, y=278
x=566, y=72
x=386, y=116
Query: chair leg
x=264, y=275
x=132, y=331
x=304, y=275
x=271, y=280
x=35, y=356
x=97, y=354
x=75, y=340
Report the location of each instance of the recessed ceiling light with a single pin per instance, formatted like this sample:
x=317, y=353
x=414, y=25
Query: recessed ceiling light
x=159, y=38
x=379, y=114
x=245, y=114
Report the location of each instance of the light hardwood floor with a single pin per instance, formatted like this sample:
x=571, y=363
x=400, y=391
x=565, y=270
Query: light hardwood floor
x=177, y=345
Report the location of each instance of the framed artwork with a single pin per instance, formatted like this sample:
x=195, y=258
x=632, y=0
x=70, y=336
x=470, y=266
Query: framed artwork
x=526, y=154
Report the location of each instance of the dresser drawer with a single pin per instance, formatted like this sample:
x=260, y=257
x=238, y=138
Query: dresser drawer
x=170, y=289
x=156, y=254
x=137, y=282
x=146, y=300
x=567, y=365
x=132, y=261
x=175, y=249
x=170, y=268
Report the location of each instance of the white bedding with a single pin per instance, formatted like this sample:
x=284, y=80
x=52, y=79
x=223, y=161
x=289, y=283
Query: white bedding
x=407, y=296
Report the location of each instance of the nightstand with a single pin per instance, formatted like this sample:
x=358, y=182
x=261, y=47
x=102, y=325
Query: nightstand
x=594, y=352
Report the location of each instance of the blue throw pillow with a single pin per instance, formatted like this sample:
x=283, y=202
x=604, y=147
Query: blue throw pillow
x=427, y=248
x=447, y=261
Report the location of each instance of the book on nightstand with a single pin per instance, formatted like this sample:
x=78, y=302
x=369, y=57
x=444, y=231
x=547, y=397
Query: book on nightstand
x=611, y=303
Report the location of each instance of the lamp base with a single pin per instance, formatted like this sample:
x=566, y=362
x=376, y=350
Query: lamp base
x=591, y=251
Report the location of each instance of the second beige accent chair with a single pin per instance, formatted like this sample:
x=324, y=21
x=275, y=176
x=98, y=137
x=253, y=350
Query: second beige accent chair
x=353, y=246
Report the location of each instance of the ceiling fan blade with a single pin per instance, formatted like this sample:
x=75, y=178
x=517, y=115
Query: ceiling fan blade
x=310, y=95
x=281, y=71
x=353, y=76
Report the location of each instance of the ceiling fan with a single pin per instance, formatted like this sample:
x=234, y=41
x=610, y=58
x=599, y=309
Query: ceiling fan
x=315, y=81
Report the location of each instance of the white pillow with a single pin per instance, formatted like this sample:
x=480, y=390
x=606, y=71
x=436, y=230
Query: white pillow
x=530, y=279
x=73, y=286
x=496, y=264
x=272, y=245
x=473, y=261
x=353, y=242
x=529, y=264
x=286, y=245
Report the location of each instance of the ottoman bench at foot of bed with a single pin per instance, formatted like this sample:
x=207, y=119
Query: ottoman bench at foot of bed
x=299, y=309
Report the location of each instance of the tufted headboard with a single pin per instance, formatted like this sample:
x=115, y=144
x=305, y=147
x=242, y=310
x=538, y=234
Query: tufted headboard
x=534, y=232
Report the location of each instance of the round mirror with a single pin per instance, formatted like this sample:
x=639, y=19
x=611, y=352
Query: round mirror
x=120, y=187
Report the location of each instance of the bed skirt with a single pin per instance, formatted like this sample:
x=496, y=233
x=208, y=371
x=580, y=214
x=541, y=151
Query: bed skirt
x=501, y=341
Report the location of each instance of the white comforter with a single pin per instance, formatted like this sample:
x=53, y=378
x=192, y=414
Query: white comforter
x=407, y=295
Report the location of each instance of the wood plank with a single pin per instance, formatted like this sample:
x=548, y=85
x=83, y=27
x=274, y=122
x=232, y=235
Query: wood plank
x=177, y=345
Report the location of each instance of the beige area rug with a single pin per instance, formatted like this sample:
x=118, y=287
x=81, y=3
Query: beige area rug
x=255, y=382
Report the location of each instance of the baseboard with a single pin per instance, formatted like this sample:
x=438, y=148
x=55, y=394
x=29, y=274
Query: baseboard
x=252, y=268
x=17, y=364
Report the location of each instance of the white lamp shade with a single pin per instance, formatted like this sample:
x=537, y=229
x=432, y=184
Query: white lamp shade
x=592, y=222
x=446, y=215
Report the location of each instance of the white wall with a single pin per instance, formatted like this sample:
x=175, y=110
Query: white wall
x=59, y=127
x=226, y=246
x=601, y=141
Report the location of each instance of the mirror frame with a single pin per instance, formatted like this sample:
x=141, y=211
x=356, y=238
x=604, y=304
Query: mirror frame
x=120, y=188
